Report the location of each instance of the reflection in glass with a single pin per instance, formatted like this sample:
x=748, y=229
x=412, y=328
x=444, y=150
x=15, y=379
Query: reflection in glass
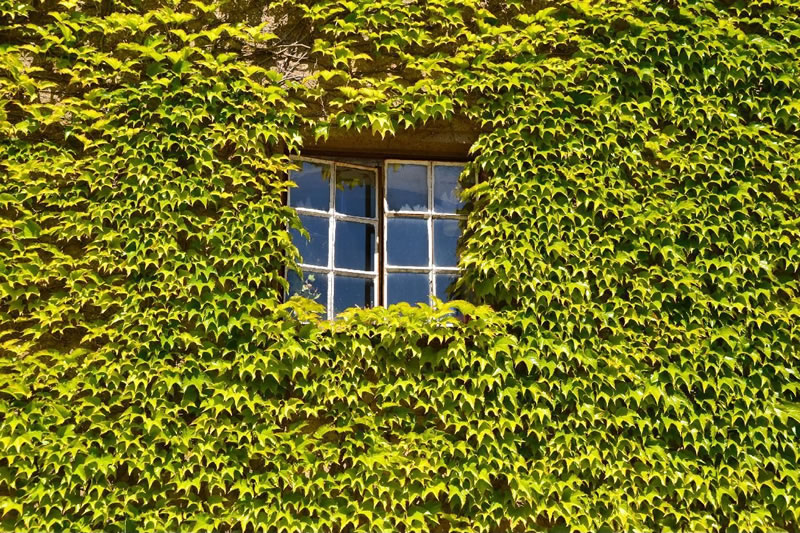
x=443, y=282
x=446, y=189
x=407, y=187
x=407, y=287
x=314, y=286
x=445, y=240
x=313, y=186
x=355, y=192
x=315, y=250
x=355, y=246
x=407, y=242
x=352, y=292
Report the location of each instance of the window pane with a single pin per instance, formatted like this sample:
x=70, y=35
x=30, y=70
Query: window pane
x=446, y=189
x=313, y=286
x=407, y=242
x=352, y=292
x=355, y=246
x=443, y=282
x=445, y=240
x=315, y=250
x=313, y=186
x=407, y=187
x=355, y=192
x=407, y=287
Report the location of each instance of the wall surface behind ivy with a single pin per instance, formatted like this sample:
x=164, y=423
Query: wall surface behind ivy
x=631, y=356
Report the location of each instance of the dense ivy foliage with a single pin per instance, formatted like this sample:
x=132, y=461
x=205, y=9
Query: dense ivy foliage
x=635, y=255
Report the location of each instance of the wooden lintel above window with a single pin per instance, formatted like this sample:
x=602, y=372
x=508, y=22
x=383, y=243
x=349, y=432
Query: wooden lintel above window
x=439, y=141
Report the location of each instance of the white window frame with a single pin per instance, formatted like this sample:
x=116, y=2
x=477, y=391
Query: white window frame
x=429, y=215
x=382, y=268
x=330, y=270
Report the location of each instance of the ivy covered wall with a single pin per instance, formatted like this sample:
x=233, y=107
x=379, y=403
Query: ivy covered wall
x=632, y=358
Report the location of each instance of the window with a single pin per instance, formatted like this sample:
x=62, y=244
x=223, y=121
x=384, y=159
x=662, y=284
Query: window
x=381, y=232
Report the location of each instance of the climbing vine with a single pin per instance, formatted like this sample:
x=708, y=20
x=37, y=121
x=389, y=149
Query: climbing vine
x=628, y=358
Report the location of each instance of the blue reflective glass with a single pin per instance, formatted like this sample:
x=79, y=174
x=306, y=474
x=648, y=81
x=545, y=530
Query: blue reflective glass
x=352, y=292
x=355, y=192
x=443, y=282
x=407, y=187
x=407, y=287
x=407, y=242
x=446, y=188
x=355, y=246
x=445, y=241
x=313, y=189
x=313, y=251
x=313, y=286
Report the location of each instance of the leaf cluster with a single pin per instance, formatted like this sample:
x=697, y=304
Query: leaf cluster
x=630, y=357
